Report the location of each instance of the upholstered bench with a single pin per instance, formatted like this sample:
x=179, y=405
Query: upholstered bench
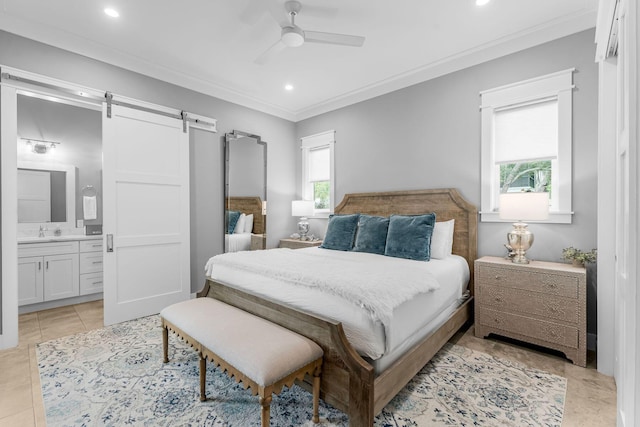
x=260, y=354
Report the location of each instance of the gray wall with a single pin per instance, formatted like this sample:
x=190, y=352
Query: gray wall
x=428, y=136
x=206, y=167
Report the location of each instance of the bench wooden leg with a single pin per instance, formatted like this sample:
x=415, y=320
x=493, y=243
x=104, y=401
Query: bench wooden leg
x=316, y=395
x=265, y=416
x=203, y=378
x=165, y=344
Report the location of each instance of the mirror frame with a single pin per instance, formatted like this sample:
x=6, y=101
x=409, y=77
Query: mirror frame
x=70, y=188
x=228, y=138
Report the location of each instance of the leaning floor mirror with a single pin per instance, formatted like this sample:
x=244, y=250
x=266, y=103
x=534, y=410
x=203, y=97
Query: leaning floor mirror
x=245, y=192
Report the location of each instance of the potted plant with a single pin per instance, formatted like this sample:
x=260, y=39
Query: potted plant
x=579, y=258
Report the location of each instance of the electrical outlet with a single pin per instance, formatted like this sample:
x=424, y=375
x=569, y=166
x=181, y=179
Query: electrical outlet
x=79, y=223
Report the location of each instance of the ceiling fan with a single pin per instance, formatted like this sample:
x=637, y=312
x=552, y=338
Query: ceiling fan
x=294, y=36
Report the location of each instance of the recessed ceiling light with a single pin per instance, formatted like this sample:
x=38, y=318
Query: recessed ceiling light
x=111, y=12
x=482, y=2
x=288, y=87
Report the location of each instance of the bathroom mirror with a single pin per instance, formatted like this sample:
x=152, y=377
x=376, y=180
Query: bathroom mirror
x=46, y=194
x=245, y=192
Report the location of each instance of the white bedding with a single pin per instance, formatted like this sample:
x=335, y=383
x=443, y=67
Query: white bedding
x=367, y=334
x=237, y=242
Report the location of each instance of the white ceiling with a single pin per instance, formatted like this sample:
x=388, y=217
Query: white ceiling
x=210, y=45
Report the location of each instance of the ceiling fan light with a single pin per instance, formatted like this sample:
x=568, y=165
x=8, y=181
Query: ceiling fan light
x=292, y=36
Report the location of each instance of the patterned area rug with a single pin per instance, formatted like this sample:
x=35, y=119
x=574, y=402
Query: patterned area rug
x=115, y=376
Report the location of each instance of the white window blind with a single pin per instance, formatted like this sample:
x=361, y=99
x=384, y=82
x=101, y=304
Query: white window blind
x=526, y=142
x=318, y=171
x=526, y=133
x=319, y=164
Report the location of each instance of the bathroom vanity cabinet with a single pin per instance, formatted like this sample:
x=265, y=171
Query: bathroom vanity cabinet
x=56, y=270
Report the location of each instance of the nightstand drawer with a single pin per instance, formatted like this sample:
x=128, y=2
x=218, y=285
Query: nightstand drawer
x=526, y=302
x=522, y=325
x=535, y=281
x=298, y=244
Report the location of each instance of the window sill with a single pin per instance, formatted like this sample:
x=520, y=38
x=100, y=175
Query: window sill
x=554, y=218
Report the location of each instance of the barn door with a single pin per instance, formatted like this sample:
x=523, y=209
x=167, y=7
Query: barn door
x=146, y=213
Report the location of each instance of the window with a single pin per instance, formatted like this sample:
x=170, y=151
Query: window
x=317, y=171
x=526, y=143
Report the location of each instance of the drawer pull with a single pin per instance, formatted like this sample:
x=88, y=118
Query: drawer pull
x=96, y=262
x=497, y=277
x=498, y=299
x=97, y=283
x=553, y=285
x=39, y=265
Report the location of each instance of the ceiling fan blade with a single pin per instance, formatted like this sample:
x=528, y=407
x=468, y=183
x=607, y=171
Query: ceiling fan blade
x=332, y=38
x=277, y=11
x=269, y=53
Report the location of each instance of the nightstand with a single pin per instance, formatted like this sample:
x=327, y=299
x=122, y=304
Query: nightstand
x=298, y=244
x=542, y=303
x=258, y=241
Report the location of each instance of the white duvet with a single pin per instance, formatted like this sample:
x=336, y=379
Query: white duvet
x=362, y=283
x=389, y=299
x=237, y=242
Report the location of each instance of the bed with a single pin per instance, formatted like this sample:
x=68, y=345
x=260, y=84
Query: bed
x=241, y=240
x=352, y=381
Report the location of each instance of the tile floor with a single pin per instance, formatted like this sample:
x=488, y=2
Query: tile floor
x=590, y=399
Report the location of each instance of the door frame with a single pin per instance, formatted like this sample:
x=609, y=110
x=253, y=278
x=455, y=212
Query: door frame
x=13, y=81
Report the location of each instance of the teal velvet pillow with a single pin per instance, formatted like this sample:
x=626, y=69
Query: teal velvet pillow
x=372, y=234
x=341, y=231
x=232, y=220
x=410, y=236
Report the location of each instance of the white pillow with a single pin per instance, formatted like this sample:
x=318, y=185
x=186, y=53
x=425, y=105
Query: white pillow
x=248, y=223
x=442, y=239
x=240, y=225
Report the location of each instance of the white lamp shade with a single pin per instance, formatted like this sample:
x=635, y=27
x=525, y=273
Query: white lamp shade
x=523, y=206
x=302, y=208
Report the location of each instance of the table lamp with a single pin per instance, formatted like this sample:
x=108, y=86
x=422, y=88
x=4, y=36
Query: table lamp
x=520, y=207
x=302, y=209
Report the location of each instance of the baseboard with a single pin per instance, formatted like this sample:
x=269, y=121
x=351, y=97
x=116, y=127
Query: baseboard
x=592, y=342
x=58, y=303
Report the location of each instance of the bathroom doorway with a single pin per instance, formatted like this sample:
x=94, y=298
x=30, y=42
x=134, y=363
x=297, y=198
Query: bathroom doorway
x=59, y=186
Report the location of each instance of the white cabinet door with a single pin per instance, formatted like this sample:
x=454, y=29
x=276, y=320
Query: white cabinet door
x=146, y=213
x=30, y=280
x=61, y=276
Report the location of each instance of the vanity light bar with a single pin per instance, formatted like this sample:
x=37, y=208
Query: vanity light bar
x=40, y=146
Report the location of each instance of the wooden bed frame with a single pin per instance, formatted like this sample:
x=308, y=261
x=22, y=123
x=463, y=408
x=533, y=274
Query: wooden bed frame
x=349, y=382
x=248, y=205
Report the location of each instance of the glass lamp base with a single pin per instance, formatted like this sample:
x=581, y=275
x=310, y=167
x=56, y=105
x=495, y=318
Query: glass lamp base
x=303, y=228
x=520, y=240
